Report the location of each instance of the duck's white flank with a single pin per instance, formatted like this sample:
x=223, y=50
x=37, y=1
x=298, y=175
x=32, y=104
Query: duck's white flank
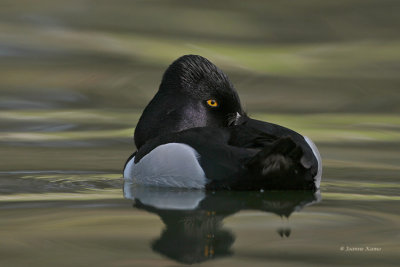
x=168, y=165
x=318, y=156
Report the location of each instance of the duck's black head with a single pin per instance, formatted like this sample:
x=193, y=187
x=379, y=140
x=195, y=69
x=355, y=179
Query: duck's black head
x=193, y=93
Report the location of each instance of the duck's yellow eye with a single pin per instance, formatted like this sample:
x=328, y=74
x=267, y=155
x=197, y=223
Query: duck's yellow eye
x=212, y=103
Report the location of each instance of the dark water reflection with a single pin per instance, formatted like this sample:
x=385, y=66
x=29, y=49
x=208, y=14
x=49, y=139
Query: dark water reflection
x=194, y=230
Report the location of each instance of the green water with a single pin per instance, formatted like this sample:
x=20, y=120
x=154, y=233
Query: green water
x=75, y=76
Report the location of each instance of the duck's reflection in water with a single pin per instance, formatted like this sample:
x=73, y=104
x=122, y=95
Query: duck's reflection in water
x=193, y=219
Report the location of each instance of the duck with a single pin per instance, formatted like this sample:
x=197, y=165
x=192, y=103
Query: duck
x=195, y=134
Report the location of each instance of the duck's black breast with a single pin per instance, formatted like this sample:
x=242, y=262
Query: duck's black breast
x=217, y=158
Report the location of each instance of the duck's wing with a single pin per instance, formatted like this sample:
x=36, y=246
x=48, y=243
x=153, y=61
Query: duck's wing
x=275, y=166
x=261, y=134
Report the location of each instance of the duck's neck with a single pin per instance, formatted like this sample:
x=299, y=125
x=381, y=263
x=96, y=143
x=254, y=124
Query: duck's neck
x=168, y=116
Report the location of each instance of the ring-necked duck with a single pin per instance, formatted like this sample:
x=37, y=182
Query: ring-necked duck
x=195, y=134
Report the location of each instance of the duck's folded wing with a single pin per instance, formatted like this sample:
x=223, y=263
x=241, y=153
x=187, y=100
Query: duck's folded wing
x=267, y=132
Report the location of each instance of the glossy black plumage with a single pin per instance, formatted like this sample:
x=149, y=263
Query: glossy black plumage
x=235, y=151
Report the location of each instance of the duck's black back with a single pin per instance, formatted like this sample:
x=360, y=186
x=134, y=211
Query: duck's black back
x=259, y=160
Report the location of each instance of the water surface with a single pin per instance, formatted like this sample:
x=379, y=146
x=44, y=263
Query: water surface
x=62, y=203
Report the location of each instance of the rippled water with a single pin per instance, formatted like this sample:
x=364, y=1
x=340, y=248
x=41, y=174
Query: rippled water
x=62, y=203
x=75, y=76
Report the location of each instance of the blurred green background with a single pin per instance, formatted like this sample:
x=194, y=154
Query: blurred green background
x=283, y=56
x=75, y=75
